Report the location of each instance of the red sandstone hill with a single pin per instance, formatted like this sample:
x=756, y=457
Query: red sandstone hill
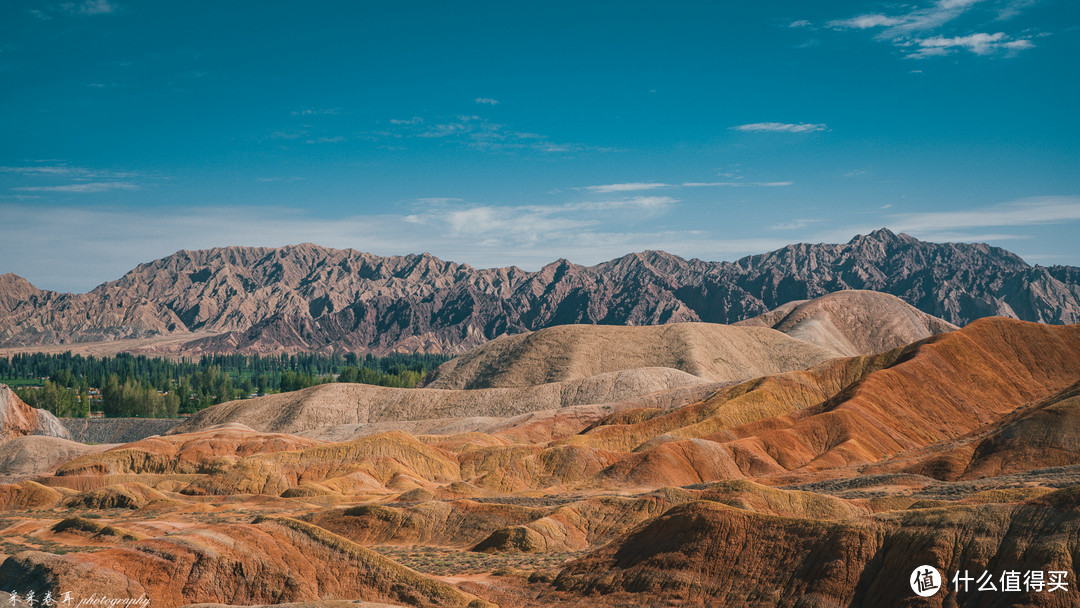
x=810, y=487
x=18, y=419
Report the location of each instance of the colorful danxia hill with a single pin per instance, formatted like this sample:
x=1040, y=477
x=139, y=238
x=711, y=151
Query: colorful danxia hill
x=805, y=428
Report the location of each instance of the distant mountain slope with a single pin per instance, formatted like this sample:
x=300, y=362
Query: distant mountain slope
x=570, y=352
x=337, y=403
x=852, y=322
x=307, y=297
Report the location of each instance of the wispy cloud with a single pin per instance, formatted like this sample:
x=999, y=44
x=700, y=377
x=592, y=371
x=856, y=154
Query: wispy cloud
x=627, y=187
x=917, y=31
x=1024, y=212
x=509, y=224
x=780, y=127
x=915, y=20
x=1018, y=220
x=288, y=134
x=438, y=200
x=798, y=224
x=58, y=177
x=81, y=188
x=69, y=171
x=316, y=112
x=639, y=186
x=865, y=22
x=487, y=101
x=800, y=23
x=979, y=44
x=478, y=132
x=736, y=184
x=89, y=7
x=75, y=9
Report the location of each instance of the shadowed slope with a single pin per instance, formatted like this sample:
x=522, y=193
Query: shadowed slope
x=940, y=388
x=931, y=391
x=272, y=560
x=1042, y=434
x=705, y=552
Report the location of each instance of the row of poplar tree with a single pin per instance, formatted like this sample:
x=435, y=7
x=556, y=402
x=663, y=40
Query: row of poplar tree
x=139, y=386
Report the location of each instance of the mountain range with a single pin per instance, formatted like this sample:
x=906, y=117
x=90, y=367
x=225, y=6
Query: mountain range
x=312, y=298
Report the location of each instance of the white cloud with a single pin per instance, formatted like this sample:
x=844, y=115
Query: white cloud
x=316, y=112
x=644, y=203
x=627, y=187
x=979, y=44
x=288, y=134
x=73, y=172
x=800, y=23
x=1025, y=212
x=81, y=188
x=794, y=224
x=780, y=127
x=638, y=186
x=487, y=101
x=736, y=184
x=914, y=29
x=42, y=170
x=919, y=19
x=438, y=200
x=89, y=7
x=864, y=22
x=480, y=133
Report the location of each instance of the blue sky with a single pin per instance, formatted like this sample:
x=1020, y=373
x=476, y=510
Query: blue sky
x=497, y=134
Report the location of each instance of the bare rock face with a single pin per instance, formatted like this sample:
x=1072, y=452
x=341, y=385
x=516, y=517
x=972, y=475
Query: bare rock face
x=31, y=454
x=306, y=297
x=18, y=419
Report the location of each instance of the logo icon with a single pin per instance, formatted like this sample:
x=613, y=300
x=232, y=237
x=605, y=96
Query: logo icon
x=925, y=581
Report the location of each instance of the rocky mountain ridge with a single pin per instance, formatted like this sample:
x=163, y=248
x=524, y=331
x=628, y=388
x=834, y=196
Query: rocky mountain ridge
x=306, y=297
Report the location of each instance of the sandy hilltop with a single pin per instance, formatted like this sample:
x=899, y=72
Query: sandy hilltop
x=811, y=455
